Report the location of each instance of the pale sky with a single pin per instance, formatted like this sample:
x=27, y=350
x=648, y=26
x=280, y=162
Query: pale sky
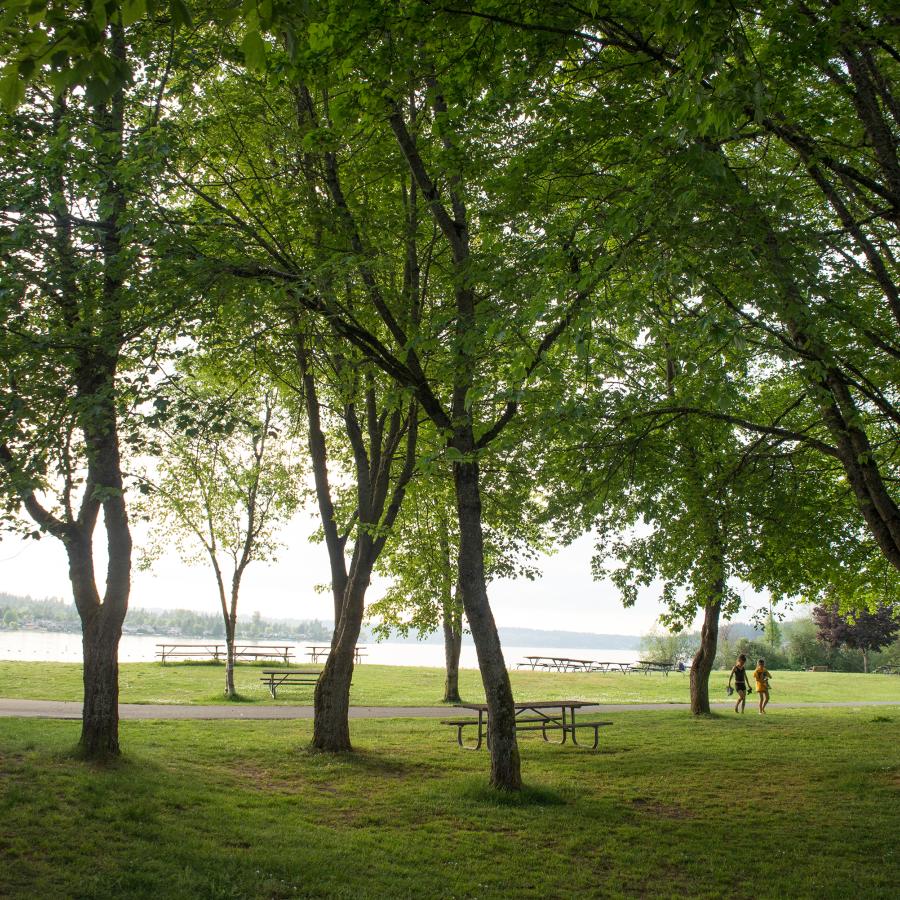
x=565, y=597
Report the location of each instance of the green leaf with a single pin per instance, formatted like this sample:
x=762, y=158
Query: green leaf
x=254, y=50
x=181, y=15
x=133, y=10
x=320, y=38
x=12, y=90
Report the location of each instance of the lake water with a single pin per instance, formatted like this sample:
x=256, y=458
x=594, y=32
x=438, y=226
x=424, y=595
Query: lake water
x=54, y=646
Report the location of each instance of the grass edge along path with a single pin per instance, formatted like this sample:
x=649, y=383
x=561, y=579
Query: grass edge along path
x=802, y=804
x=376, y=685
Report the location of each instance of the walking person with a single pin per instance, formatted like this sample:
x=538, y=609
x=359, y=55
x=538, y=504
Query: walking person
x=739, y=674
x=761, y=676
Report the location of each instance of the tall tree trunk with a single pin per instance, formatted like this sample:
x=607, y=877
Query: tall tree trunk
x=100, y=716
x=835, y=402
x=230, y=692
x=505, y=764
x=331, y=724
x=705, y=656
x=451, y=616
x=875, y=502
x=865, y=654
x=101, y=625
x=452, y=647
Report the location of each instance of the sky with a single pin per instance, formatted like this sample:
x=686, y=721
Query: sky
x=565, y=598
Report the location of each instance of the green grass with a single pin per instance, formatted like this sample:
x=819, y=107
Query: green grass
x=799, y=804
x=410, y=686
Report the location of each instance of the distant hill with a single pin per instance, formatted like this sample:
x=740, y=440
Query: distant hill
x=536, y=637
x=572, y=640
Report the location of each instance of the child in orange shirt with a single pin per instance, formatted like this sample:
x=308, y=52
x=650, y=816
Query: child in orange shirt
x=761, y=675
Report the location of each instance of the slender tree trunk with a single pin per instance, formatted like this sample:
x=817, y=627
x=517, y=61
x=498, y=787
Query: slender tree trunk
x=451, y=617
x=331, y=724
x=505, y=764
x=101, y=625
x=877, y=505
x=838, y=409
x=100, y=716
x=452, y=648
x=865, y=655
x=230, y=692
x=705, y=655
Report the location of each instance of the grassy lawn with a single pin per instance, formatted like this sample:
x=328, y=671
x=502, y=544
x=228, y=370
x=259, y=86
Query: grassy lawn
x=798, y=804
x=410, y=686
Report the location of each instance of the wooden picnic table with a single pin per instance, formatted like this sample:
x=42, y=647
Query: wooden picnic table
x=654, y=665
x=558, y=663
x=607, y=666
x=216, y=651
x=189, y=651
x=276, y=678
x=531, y=715
x=320, y=651
x=889, y=669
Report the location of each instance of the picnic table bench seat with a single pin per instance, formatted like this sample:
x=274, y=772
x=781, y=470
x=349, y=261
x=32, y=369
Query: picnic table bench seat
x=276, y=678
x=541, y=721
x=216, y=651
x=542, y=725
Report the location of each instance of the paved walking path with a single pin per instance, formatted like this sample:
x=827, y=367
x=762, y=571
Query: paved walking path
x=60, y=709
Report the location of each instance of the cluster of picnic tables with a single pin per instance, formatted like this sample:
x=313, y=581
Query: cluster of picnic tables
x=554, y=719
x=217, y=651
x=567, y=664
x=273, y=679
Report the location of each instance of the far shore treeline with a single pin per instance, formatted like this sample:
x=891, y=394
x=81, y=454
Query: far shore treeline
x=793, y=645
x=54, y=614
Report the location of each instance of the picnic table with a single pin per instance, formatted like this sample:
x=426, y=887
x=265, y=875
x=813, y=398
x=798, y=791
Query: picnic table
x=192, y=651
x=888, y=670
x=217, y=651
x=610, y=666
x=559, y=663
x=653, y=665
x=276, y=678
x=318, y=652
x=531, y=715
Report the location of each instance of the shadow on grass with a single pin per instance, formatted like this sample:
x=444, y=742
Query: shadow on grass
x=364, y=760
x=476, y=790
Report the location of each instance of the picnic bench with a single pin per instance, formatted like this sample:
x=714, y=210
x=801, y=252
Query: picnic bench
x=888, y=670
x=611, y=666
x=216, y=651
x=566, y=664
x=276, y=678
x=653, y=665
x=817, y=669
x=189, y=651
x=546, y=716
x=317, y=652
x=557, y=663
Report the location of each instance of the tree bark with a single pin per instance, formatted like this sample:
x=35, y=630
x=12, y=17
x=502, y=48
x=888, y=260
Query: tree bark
x=230, y=692
x=101, y=625
x=451, y=617
x=331, y=724
x=705, y=656
x=452, y=648
x=100, y=715
x=505, y=763
x=877, y=506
